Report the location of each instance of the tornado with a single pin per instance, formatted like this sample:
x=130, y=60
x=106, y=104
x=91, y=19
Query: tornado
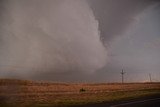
x=49, y=37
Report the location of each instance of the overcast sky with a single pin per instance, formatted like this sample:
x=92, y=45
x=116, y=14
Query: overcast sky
x=80, y=41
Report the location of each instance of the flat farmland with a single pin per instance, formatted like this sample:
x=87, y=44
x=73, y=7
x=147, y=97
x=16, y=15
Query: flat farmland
x=24, y=93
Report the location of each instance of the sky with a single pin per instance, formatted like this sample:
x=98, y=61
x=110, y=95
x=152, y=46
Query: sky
x=80, y=41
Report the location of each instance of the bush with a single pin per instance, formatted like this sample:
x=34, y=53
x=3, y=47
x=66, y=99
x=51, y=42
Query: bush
x=82, y=90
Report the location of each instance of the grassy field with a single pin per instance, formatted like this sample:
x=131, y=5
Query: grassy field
x=22, y=93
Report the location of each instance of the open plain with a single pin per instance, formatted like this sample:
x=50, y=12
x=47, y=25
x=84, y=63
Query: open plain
x=24, y=93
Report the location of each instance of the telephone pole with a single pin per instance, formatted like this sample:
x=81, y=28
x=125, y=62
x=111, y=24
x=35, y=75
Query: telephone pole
x=122, y=73
x=150, y=78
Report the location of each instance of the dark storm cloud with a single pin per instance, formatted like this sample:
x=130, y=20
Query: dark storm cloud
x=136, y=49
x=115, y=16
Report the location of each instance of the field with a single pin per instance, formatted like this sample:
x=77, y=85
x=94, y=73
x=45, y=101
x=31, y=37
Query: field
x=23, y=93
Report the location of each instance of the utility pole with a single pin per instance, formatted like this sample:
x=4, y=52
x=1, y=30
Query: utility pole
x=122, y=73
x=150, y=78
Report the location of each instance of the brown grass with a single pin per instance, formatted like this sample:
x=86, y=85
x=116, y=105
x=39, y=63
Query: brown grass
x=25, y=93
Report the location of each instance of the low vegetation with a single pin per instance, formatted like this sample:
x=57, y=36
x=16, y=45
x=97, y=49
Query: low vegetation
x=22, y=93
x=82, y=90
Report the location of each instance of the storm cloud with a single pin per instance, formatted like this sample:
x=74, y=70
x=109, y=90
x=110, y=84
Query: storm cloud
x=130, y=32
x=115, y=16
x=40, y=38
x=82, y=40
